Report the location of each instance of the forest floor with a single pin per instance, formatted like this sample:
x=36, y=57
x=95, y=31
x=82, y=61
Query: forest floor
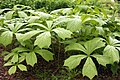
x=48, y=72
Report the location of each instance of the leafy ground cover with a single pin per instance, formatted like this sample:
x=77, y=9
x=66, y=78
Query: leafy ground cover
x=81, y=42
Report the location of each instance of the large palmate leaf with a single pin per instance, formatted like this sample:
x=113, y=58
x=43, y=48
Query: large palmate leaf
x=63, y=33
x=47, y=55
x=31, y=58
x=74, y=24
x=112, y=53
x=12, y=70
x=73, y=61
x=6, y=38
x=75, y=46
x=93, y=45
x=89, y=68
x=103, y=60
x=43, y=40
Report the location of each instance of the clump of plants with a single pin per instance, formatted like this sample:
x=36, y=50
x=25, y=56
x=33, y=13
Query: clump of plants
x=87, y=34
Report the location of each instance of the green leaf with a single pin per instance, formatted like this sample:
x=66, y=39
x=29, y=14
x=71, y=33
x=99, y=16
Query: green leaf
x=118, y=48
x=113, y=42
x=14, y=58
x=73, y=61
x=103, y=60
x=84, y=17
x=74, y=25
x=114, y=68
x=93, y=45
x=101, y=22
x=19, y=37
x=75, y=46
x=116, y=34
x=8, y=56
x=47, y=55
x=29, y=34
x=11, y=26
x=24, y=29
x=9, y=15
x=67, y=10
x=23, y=54
x=22, y=14
x=6, y=9
x=31, y=58
x=8, y=64
x=95, y=21
x=3, y=29
x=89, y=68
x=21, y=59
x=17, y=27
x=49, y=24
x=61, y=11
x=12, y=70
x=33, y=19
x=43, y=40
x=83, y=8
x=71, y=41
x=20, y=49
x=63, y=33
x=37, y=24
x=56, y=11
x=6, y=38
x=22, y=67
x=44, y=15
x=112, y=53
x=100, y=31
x=60, y=20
